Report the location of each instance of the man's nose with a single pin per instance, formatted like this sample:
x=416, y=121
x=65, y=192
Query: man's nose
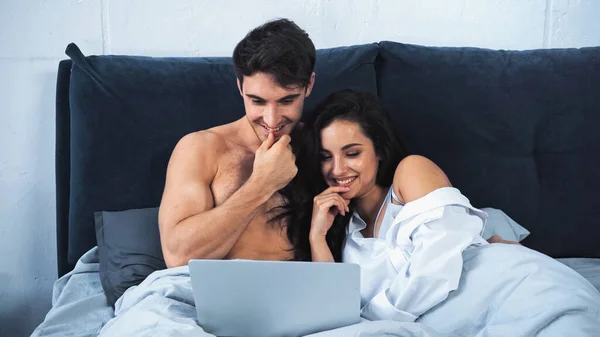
x=271, y=116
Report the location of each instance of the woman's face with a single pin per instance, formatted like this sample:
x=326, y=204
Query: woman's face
x=348, y=158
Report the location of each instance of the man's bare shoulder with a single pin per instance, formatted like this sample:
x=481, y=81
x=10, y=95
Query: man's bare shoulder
x=197, y=154
x=219, y=138
x=204, y=143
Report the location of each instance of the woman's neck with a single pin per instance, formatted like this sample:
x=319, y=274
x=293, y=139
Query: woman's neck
x=369, y=205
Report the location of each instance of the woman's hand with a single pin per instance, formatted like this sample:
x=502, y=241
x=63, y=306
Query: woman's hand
x=326, y=206
x=499, y=239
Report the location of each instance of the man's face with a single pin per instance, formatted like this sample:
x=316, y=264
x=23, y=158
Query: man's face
x=271, y=108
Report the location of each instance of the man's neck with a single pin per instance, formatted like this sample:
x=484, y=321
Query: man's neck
x=247, y=136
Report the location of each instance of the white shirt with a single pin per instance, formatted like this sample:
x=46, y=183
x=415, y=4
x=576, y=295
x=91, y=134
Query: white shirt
x=416, y=260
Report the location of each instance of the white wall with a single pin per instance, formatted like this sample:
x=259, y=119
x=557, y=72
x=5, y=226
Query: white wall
x=34, y=33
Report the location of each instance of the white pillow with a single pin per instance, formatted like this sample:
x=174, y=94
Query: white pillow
x=499, y=223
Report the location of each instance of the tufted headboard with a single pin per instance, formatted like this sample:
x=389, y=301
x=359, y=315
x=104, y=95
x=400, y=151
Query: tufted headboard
x=514, y=130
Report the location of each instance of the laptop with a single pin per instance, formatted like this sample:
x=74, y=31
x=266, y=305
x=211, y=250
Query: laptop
x=274, y=298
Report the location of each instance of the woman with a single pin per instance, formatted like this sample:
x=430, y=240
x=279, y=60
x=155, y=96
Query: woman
x=365, y=168
x=401, y=220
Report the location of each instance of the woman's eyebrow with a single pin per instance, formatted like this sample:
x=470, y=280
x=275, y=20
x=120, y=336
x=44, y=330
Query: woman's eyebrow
x=345, y=147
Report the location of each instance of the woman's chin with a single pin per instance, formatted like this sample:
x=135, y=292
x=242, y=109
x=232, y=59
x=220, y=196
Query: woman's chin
x=348, y=195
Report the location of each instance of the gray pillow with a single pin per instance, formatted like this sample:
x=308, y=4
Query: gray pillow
x=129, y=249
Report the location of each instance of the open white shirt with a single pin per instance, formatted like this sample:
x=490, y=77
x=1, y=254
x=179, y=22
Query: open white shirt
x=416, y=260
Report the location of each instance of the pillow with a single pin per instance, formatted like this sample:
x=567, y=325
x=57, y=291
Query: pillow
x=499, y=223
x=129, y=249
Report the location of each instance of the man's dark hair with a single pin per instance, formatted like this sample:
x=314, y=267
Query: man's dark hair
x=279, y=48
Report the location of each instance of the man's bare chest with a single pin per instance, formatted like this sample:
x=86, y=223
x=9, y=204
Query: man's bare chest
x=262, y=239
x=234, y=170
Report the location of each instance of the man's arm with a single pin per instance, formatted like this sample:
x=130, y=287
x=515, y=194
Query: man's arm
x=190, y=225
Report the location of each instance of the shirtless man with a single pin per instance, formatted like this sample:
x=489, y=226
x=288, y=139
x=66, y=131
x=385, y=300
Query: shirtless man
x=222, y=182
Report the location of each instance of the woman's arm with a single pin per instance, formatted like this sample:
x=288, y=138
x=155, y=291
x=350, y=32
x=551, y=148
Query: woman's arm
x=434, y=227
x=434, y=240
x=416, y=176
x=319, y=249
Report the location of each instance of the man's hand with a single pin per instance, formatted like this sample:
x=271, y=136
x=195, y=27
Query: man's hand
x=499, y=239
x=274, y=163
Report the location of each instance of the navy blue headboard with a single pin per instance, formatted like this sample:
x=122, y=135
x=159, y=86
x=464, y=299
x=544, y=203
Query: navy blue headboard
x=63, y=165
x=514, y=130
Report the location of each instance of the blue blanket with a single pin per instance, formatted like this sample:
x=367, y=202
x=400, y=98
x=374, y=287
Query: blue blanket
x=79, y=306
x=163, y=305
x=505, y=290
x=509, y=290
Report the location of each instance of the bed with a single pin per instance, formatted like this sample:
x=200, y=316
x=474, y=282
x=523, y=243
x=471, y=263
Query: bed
x=505, y=136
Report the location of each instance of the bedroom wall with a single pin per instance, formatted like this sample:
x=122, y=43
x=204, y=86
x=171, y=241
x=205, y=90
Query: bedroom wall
x=34, y=33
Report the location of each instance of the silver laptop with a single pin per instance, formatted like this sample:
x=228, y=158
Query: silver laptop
x=274, y=298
